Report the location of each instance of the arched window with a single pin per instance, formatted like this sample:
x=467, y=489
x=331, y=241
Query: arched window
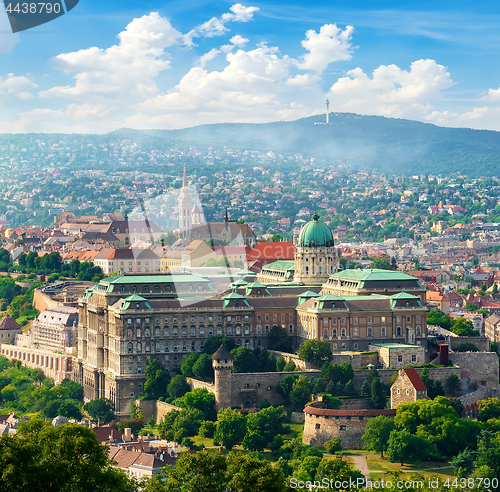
x=148, y=347
x=157, y=346
x=200, y=287
x=157, y=288
x=138, y=333
x=130, y=348
x=334, y=333
x=133, y=289
x=238, y=342
x=147, y=332
x=139, y=347
x=307, y=270
x=145, y=288
x=398, y=331
x=419, y=331
x=122, y=288
x=238, y=330
x=167, y=288
x=325, y=333
x=343, y=332
x=129, y=333
x=157, y=331
x=166, y=346
x=139, y=370
x=370, y=331
x=193, y=346
x=219, y=329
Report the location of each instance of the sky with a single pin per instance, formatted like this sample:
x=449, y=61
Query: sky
x=152, y=64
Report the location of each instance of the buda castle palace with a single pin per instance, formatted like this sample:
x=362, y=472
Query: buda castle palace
x=126, y=319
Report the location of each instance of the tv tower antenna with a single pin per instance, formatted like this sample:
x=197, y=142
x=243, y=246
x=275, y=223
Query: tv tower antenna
x=327, y=108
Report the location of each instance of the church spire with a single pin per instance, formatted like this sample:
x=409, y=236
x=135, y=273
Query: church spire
x=184, y=178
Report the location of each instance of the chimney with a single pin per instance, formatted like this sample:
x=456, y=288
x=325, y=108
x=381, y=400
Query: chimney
x=127, y=435
x=444, y=354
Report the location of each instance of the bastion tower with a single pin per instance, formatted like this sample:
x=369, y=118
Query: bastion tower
x=222, y=362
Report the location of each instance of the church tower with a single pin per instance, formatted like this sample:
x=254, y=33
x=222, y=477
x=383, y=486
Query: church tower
x=222, y=362
x=185, y=207
x=315, y=256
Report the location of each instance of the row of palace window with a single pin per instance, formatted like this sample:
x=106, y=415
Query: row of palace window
x=369, y=320
x=174, y=347
x=167, y=288
x=201, y=319
x=369, y=332
x=238, y=330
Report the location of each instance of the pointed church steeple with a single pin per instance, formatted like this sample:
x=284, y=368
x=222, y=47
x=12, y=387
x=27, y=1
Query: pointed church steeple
x=184, y=178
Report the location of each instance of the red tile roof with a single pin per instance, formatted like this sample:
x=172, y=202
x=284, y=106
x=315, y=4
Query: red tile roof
x=9, y=323
x=415, y=379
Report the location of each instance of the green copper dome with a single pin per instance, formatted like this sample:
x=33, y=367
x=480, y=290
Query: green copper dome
x=315, y=234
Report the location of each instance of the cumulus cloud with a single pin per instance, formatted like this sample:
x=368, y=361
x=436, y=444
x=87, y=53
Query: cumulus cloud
x=246, y=89
x=204, y=59
x=391, y=91
x=236, y=41
x=123, y=72
x=331, y=44
x=492, y=95
x=17, y=85
x=216, y=26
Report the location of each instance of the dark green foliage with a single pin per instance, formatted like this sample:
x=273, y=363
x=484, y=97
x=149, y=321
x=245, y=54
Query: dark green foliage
x=278, y=339
x=135, y=425
x=244, y=360
x=333, y=445
x=453, y=384
x=331, y=388
x=280, y=364
x=286, y=385
x=378, y=398
x=290, y=366
x=207, y=429
x=332, y=402
x=489, y=409
x=318, y=386
x=199, y=399
x=100, y=410
x=464, y=460
x=179, y=424
x=300, y=394
x=382, y=263
x=202, y=368
x=377, y=432
x=187, y=365
x=405, y=447
x=178, y=386
x=157, y=379
x=434, y=388
x=315, y=351
x=231, y=428
x=263, y=427
x=64, y=458
x=212, y=344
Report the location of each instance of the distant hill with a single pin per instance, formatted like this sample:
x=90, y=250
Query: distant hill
x=384, y=144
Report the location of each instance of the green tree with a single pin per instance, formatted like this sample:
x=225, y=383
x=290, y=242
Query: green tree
x=453, y=384
x=278, y=339
x=488, y=409
x=316, y=351
x=467, y=347
x=178, y=386
x=200, y=399
x=286, y=385
x=212, y=344
x=100, y=410
x=187, y=365
x=280, y=364
x=300, y=394
x=202, y=368
x=267, y=424
x=403, y=446
x=244, y=360
x=333, y=445
x=382, y=263
x=231, y=428
x=337, y=469
x=157, y=379
x=64, y=458
x=199, y=472
x=378, y=398
x=249, y=474
x=377, y=432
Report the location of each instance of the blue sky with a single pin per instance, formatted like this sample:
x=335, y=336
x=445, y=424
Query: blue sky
x=154, y=64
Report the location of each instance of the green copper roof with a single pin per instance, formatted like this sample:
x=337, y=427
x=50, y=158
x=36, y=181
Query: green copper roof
x=281, y=265
x=239, y=283
x=131, y=300
x=315, y=234
x=373, y=274
x=309, y=293
x=404, y=295
x=245, y=273
x=234, y=297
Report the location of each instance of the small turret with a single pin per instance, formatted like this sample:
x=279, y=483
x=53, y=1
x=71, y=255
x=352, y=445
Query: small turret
x=222, y=362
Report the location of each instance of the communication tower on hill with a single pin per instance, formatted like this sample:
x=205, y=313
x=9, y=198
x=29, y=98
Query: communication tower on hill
x=327, y=110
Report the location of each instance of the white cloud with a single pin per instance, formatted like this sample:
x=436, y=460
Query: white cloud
x=492, y=95
x=247, y=89
x=16, y=85
x=204, y=59
x=391, y=91
x=236, y=41
x=216, y=26
x=331, y=44
x=124, y=72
